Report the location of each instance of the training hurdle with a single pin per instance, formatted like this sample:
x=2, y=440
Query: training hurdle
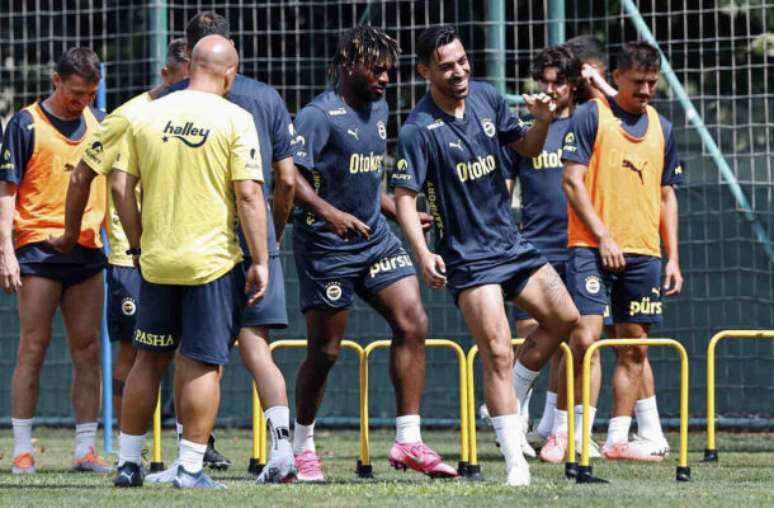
x=364, y=469
x=711, y=452
x=683, y=471
x=258, y=457
x=570, y=467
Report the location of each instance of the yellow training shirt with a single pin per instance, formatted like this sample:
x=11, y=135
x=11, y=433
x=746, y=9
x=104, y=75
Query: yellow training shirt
x=107, y=150
x=187, y=149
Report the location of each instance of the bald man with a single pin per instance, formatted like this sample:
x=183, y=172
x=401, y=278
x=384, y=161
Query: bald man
x=193, y=285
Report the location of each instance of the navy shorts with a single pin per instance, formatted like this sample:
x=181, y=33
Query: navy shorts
x=329, y=281
x=560, y=267
x=271, y=311
x=123, y=291
x=511, y=272
x=75, y=267
x=203, y=321
x=633, y=296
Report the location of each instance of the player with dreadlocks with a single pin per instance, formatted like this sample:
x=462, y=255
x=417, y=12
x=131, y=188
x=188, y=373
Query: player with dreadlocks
x=342, y=245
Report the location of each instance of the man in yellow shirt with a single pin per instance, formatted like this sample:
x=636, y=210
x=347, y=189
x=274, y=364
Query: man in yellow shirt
x=200, y=171
x=102, y=155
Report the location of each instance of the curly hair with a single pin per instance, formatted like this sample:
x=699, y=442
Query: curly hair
x=569, y=69
x=362, y=45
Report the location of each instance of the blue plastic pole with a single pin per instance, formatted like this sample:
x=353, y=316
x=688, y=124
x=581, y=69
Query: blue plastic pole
x=495, y=43
x=556, y=14
x=696, y=120
x=107, y=353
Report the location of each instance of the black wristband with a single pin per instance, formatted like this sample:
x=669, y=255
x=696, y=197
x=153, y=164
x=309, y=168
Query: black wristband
x=133, y=252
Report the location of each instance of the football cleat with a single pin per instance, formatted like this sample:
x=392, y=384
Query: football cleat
x=654, y=446
x=200, y=480
x=420, y=457
x=24, y=463
x=93, y=463
x=129, y=475
x=555, y=449
x=166, y=476
x=213, y=458
x=279, y=469
x=630, y=450
x=309, y=468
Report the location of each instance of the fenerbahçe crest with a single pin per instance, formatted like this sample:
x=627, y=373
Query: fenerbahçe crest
x=333, y=291
x=188, y=134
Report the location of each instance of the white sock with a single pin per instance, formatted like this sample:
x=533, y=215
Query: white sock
x=179, y=429
x=579, y=421
x=524, y=410
x=508, y=429
x=129, y=448
x=22, y=435
x=303, y=438
x=407, y=429
x=560, y=422
x=191, y=455
x=648, y=421
x=279, y=426
x=547, y=420
x=618, y=430
x=522, y=378
x=85, y=438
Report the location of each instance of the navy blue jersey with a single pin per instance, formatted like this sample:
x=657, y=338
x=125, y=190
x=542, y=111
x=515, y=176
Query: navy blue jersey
x=341, y=151
x=19, y=141
x=585, y=123
x=457, y=162
x=544, y=205
x=275, y=132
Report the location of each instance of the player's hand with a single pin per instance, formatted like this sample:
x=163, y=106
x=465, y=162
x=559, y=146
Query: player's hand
x=346, y=225
x=256, y=283
x=673, y=278
x=591, y=75
x=426, y=220
x=540, y=106
x=63, y=244
x=612, y=256
x=434, y=270
x=10, y=275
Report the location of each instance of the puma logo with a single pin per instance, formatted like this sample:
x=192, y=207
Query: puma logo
x=458, y=144
x=630, y=165
x=353, y=133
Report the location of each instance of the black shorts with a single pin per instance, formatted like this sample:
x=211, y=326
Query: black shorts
x=123, y=291
x=203, y=321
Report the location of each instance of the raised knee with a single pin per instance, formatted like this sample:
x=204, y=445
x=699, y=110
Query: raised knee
x=412, y=328
x=632, y=355
x=501, y=353
x=323, y=359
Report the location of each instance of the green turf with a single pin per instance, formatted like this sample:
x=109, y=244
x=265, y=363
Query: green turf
x=744, y=477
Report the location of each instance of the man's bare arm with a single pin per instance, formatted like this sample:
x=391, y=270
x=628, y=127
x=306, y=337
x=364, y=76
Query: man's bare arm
x=433, y=266
x=669, y=225
x=252, y=217
x=10, y=275
x=78, y=191
x=579, y=199
x=122, y=187
x=284, y=190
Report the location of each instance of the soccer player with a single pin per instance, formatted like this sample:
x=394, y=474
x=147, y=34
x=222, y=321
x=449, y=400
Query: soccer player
x=451, y=147
x=193, y=283
x=620, y=169
x=544, y=208
x=344, y=136
x=275, y=130
x=102, y=154
x=43, y=143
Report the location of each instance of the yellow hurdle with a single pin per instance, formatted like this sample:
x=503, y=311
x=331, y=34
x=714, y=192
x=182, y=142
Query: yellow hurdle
x=364, y=469
x=711, y=452
x=683, y=471
x=570, y=467
x=259, y=456
x=156, y=464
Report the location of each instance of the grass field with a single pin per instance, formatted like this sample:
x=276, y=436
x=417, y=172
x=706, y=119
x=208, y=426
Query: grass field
x=744, y=477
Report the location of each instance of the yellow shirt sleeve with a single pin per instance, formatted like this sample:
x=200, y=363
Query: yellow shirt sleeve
x=129, y=165
x=102, y=149
x=245, y=157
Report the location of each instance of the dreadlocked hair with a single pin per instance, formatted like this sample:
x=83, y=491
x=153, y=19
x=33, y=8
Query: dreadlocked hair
x=362, y=45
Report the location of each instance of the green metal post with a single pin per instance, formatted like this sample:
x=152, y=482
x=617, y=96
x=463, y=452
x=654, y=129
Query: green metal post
x=695, y=118
x=159, y=36
x=555, y=22
x=495, y=43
